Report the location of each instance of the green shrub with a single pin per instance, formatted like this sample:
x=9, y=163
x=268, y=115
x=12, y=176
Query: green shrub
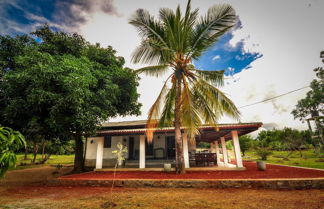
x=263, y=152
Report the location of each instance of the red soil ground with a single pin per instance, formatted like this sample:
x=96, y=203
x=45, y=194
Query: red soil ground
x=251, y=172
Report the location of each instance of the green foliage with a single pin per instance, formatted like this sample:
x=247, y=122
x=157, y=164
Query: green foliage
x=312, y=104
x=10, y=142
x=310, y=158
x=11, y=47
x=60, y=147
x=54, y=160
x=263, y=152
x=205, y=145
x=285, y=139
x=246, y=142
x=293, y=139
x=229, y=145
x=62, y=87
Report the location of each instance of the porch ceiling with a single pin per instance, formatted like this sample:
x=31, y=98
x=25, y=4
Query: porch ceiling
x=215, y=135
x=207, y=133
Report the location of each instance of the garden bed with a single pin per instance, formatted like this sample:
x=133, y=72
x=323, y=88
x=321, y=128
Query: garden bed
x=251, y=172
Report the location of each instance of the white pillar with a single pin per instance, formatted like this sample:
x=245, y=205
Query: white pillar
x=217, y=153
x=142, y=151
x=100, y=147
x=224, y=151
x=237, y=149
x=185, y=150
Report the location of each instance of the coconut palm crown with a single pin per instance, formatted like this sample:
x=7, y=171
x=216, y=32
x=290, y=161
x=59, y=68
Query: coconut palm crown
x=189, y=97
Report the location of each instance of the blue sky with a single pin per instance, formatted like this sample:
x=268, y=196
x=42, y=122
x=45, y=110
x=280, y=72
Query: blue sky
x=224, y=56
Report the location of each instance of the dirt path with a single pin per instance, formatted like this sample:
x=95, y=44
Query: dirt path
x=100, y=197
x=251, y=172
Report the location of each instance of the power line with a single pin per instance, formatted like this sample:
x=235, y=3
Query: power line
x=265, y=100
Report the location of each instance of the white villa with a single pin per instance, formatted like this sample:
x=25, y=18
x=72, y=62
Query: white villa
x=142, y=154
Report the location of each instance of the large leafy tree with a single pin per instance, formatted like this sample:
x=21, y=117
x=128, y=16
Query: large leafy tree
x=312, y=106
x=63, y=88
x=245, y=143
x=189, y=97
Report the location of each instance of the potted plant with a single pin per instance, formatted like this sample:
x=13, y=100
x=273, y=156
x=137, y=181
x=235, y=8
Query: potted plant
x=263, y=153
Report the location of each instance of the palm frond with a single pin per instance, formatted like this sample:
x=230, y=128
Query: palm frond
x=188, y=23
x=219, y=19
x=154, y=112
x=207, y=113
x=154, y=47
x=150, y=51
x=147, y=26
x=218, y=101
x=190, y=116
x=156, y=70
x=167, y=115
x=168, y=17
x=215, y=77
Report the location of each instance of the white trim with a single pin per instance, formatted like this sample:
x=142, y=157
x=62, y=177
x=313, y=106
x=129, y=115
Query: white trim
x=185, y=150
x=237, y=149
x=225, y=158
x=142, y=151
x=100, y=147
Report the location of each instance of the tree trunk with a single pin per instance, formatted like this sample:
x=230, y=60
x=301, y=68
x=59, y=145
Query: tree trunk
x=291, y=151
x=78, y=157
x=35, y=150
x=26, y=152
x=46, y=158
x=320, y=131
x=85, y=151
x=43, y=149
x=300, y=152
x=180, y=166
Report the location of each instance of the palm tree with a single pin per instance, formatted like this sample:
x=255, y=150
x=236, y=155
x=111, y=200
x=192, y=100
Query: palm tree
x=188, y=97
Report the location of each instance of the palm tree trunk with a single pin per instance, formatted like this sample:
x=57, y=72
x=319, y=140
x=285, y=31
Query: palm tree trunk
x=180, y=167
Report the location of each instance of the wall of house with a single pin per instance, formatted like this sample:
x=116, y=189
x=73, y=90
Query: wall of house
x=92, y=146
x=159, y=141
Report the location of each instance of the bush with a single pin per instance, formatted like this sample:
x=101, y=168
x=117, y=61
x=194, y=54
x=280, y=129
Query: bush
x=263, y=153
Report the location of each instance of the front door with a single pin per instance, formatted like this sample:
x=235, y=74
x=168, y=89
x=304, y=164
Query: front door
x=149, y=152
x=170, y=147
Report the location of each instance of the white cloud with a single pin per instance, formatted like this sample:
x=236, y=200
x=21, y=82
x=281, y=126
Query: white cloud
x=216, y=57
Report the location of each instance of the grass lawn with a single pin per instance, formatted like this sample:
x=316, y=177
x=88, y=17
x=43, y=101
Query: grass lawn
x=54, y=160
x=309, y=158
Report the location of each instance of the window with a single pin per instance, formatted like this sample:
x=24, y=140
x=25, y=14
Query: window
x=107, y=142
